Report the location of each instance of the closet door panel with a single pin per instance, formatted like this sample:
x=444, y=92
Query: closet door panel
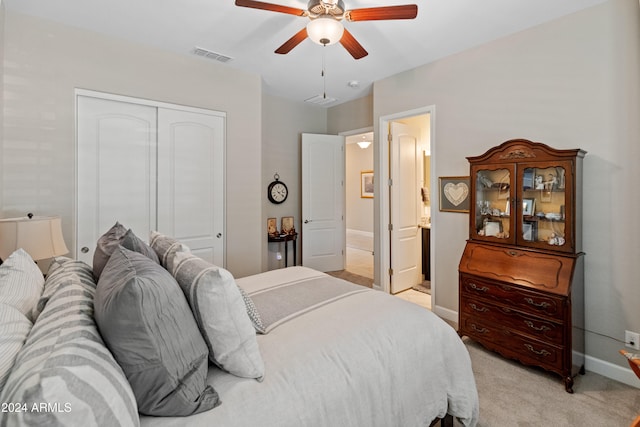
x=191, y=181
x=116, y=173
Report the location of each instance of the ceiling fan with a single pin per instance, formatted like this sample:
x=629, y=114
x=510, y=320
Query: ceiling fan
x=325, y=26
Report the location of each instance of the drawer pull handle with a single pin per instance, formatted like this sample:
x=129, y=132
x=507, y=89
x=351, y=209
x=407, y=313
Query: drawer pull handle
x=480, y=330
x=542, y=304
x=480, y=309
x=476, y=288
x=540, y=329
x=542, y=352
x=512, y=253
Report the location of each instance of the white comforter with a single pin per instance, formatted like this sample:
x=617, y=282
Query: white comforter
x=365, y=360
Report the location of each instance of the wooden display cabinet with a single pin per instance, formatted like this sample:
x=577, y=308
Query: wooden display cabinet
x=521, y=274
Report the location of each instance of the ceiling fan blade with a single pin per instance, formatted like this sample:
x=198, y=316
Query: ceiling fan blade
x=407, y=11
x=292, y=42
x=353, y=47
x=271, y=7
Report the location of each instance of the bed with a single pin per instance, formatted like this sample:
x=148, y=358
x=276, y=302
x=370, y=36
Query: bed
x=331, y=353
x=356, y=357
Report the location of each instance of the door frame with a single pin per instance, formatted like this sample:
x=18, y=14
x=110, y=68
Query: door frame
x=383, y=249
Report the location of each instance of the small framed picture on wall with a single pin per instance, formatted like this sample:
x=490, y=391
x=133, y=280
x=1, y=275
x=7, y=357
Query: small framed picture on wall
x=366, y=184
x=454, y=194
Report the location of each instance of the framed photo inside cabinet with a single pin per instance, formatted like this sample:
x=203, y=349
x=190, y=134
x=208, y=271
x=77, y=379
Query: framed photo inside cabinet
x=492, y=228
x=287, y=225
x=454, y=194
x=528, y=207
x=366, y=184
x=530, y=231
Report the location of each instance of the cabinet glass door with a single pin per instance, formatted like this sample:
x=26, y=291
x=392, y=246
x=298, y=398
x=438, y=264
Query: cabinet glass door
x=492, y=219
x=543, y=212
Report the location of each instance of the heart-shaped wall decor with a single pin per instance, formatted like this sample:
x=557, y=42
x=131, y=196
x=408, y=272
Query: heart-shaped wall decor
x=456, y=193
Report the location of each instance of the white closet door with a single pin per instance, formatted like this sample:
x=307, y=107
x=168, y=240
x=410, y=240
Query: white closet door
x=116, y=170
x=191, y=180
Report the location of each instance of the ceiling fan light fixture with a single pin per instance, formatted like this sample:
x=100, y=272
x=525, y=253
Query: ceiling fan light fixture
x=325, y=30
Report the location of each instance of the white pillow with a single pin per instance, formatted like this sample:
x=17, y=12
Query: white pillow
x=21, y=282
x=220, y=312
x=14, y=328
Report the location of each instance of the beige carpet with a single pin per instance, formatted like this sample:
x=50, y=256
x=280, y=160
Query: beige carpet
x=512, y=395
x=352, y=277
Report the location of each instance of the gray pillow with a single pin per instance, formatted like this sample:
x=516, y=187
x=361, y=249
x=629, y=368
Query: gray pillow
x=146, y=322
x=219, y=309
x=109, y=241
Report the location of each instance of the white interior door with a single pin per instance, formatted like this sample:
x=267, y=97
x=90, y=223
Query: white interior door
x=405, y=209
x=116, y=170
x=191, y=181
x=323, y=226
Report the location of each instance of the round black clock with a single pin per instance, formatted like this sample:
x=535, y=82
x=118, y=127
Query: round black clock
x=277, y=191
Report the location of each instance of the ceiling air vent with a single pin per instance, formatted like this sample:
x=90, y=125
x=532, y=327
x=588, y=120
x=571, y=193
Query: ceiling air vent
x=211, y=55
x=320, y=100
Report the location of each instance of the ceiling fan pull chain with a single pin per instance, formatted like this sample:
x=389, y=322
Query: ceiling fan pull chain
x=324, y=78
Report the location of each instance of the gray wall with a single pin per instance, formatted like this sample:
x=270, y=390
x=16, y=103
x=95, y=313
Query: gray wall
x=284, y=122
x=570, y=83
x=45, y=62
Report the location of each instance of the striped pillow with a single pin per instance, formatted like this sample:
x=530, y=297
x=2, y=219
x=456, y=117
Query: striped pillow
x=59, y=272
x=14, y=328
x=220, y=311
x=64, y=375
x=166, y=247
x=21, y=282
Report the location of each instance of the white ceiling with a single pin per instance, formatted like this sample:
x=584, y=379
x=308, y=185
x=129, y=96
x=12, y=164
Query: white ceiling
x=250, y=36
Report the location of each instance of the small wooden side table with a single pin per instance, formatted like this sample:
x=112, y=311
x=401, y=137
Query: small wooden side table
x=286, y=238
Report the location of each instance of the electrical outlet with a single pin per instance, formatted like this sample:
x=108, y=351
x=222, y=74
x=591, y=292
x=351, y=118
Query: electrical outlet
x=632, y=339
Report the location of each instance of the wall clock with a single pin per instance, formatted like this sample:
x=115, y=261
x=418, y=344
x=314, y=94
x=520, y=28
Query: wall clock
x=277, y=190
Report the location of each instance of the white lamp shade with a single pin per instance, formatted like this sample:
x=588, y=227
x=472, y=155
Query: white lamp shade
x=325, y=30
x=40, y=236
x=364, y=144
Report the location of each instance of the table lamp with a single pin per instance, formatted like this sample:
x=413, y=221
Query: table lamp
x=40, y=236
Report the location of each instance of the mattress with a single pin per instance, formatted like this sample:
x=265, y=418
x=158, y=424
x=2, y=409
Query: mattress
x=358, y=358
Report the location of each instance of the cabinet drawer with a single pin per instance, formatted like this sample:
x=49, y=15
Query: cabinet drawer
x=512, y=344
x=527, y=301
x=514, y=319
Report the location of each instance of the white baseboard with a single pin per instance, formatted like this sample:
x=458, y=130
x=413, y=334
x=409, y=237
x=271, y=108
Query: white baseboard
x=610, y=370
x=360, y=232
x=445, y=313
x=592, y=364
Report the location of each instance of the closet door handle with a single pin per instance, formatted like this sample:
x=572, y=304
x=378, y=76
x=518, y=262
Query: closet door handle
x=219, y=235
x=307, y=221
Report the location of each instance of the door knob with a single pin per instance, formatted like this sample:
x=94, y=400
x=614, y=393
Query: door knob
x=84, y=250
x=307, y=221
x=219, y=235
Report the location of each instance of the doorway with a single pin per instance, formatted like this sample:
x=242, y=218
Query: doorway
x=421, y=124
x=359, y=207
